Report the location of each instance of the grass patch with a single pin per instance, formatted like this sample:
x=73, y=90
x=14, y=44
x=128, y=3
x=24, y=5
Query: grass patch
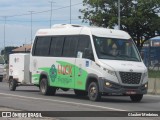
x=153, y=74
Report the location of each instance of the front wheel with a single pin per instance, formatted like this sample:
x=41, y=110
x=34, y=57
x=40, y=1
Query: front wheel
x=136, y=98
x=12, y=84
x=93, y=92
x=45, y=89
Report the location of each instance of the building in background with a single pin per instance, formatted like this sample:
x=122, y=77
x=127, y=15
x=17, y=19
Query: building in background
x=22, y=49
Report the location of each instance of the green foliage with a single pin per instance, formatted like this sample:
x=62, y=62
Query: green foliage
x=138, y=17
x=7, y=51
x=153, y=73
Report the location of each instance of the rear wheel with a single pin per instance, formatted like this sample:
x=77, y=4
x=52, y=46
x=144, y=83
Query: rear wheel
x=45, y=89
x=80, y=92
x=136, y=98
x=93, y=92
x=12, y=84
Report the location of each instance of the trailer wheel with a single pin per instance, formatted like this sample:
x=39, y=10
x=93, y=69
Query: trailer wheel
x=12, y=84
x=1, y=79
x=136, y=98
x=80, y=92
x=93, y=92
x=45, y=89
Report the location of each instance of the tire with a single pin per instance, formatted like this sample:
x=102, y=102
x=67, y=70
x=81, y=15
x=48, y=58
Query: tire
x=93, y=92
x=45, y=89
x=80, y=93
x=136, y=98
x=12, y=84
x=1, y=79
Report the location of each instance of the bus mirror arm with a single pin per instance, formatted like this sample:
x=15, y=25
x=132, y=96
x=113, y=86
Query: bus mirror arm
x=6, y=62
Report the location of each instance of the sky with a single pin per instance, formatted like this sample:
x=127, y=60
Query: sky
x=18, y=18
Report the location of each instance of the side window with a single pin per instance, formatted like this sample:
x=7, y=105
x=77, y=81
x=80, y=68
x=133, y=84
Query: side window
x=84, y=44
x=34, y=45
x=70, y=46
x=56, y=46
x=42, y=46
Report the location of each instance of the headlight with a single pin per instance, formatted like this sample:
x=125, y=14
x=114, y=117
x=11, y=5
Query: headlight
x=146, y=74
x=146, y=85
x=110, y=72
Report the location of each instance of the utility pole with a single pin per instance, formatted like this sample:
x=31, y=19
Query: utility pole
x=31, y=25
x=70, y=12
x=4, y=34
x=119, y=15
x=51, y=13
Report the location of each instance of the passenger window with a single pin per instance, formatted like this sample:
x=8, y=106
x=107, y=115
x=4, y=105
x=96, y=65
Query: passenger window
x=34, y=46
x=83, y=43
x=42, y=46
x=56, y=46
x=84, y=46
x=70, y=46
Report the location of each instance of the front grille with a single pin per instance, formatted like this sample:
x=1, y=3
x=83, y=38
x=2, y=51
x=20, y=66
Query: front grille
x=130, y=77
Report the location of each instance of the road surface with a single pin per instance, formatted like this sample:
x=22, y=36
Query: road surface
x=28, y=98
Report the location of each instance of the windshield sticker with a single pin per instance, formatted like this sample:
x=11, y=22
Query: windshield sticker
x=87, y=63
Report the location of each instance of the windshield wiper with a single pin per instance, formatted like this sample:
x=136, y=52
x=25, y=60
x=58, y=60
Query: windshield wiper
x=129, y=58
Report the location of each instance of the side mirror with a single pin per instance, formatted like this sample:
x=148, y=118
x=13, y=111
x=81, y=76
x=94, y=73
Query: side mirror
x=88, y=54
x=79, y=54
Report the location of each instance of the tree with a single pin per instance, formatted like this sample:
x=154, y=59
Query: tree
x=6, y=51
x=140, y=18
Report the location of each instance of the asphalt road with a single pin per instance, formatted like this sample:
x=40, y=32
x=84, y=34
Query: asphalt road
x=28, y=98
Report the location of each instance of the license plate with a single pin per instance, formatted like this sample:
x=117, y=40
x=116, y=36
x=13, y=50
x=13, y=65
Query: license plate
x=130, y=92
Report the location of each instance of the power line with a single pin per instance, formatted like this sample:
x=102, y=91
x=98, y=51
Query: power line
x=44, y=11
x=38, y=20
x=57, y=8
x=31, y=13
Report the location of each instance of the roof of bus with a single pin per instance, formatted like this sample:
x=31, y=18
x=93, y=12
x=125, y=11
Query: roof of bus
x=76, y=30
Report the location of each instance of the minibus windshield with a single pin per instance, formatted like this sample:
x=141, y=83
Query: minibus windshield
x=1, y=60
x=116, y=49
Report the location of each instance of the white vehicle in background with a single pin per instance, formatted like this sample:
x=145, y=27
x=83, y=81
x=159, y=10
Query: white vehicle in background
x=91, y=61
x=2, y=68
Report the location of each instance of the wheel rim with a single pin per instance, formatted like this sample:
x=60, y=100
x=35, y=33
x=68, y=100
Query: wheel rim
x=93, y=92
x=43, y=87
x=11, y=84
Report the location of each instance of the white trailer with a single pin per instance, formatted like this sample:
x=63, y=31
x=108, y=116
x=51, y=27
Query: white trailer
x=19, y=70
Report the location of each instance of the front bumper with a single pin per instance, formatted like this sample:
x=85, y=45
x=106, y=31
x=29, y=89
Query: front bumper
x=115, y=88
